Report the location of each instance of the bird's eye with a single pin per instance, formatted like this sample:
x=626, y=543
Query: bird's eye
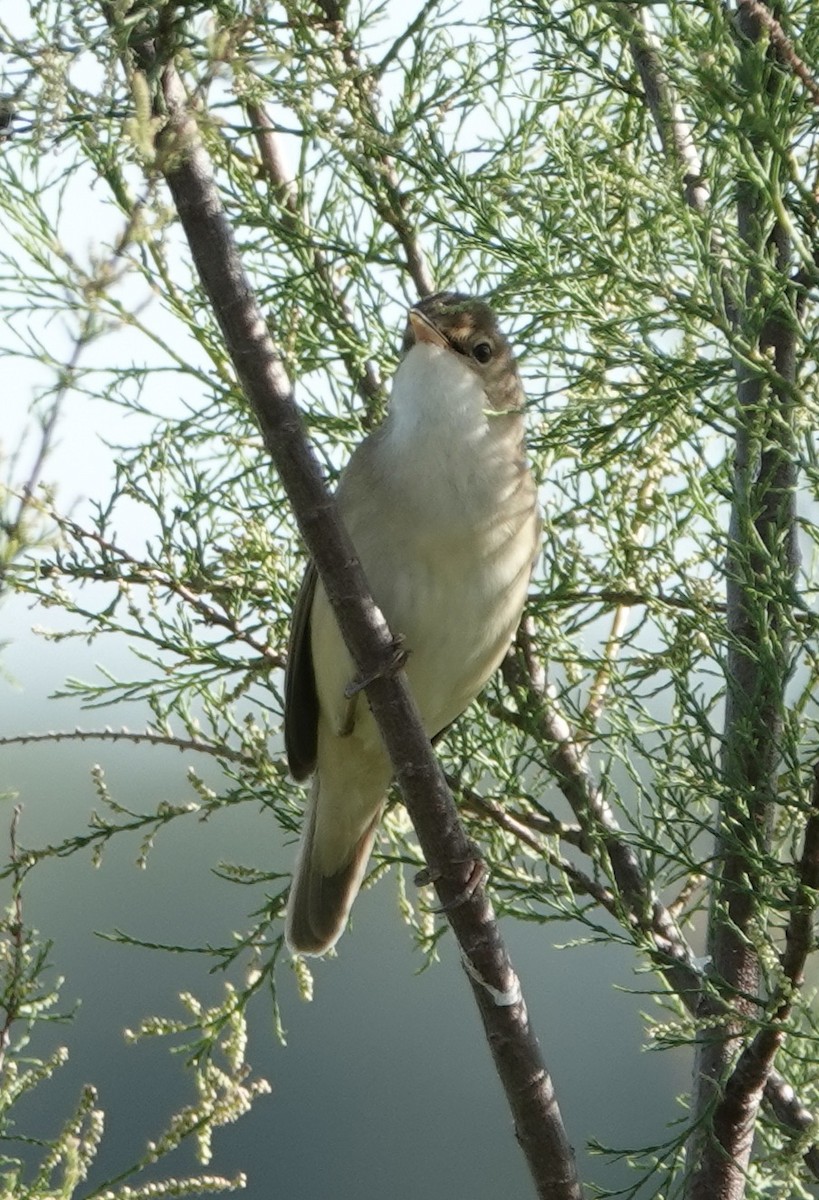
x=482, y=352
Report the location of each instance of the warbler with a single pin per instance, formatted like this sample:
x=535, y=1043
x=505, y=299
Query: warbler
x=441, y=507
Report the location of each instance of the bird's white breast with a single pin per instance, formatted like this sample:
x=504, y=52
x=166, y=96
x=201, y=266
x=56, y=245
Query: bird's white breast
x=439, y=449
x=444, y=529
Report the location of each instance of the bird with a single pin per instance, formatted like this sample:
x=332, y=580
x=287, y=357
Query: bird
x=441, y=506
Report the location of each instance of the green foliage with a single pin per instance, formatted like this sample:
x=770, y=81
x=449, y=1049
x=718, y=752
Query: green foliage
x=517, y=153
x=28, y=1000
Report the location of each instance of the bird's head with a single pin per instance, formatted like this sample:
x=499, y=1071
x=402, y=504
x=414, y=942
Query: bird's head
x=467, y=326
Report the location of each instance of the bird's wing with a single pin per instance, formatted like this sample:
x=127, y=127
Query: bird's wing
x=300, y=696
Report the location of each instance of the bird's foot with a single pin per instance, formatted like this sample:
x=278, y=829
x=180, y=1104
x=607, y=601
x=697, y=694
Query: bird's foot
x=395, y=662
x=471, y=873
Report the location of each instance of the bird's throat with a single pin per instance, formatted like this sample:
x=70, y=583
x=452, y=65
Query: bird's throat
x=435, y=395
x=447, y=459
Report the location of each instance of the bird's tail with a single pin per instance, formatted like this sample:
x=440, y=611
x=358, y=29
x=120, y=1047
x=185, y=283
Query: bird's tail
x=321, y=896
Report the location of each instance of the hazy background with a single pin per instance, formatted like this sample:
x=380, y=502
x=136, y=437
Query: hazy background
x=386, y=1084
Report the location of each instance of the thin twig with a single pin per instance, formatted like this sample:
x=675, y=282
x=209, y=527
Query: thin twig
x=683, y=899
x=628, y=597
x=367, y=381
x=127, y=735
x=637, y=531
x=581, y=883
x=602, y=678
x=147, y=573
x=392, y=208
x=12, y=529
x=550, y=826
x=14, y=988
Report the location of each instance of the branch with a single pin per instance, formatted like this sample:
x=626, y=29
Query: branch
x=12, y=527
x=529, y=1089
x=754, y=1072
x=14, y=985
x=392, y=208
x=582, y=884
x=799, y=935
x=146, y=573
x=184, y=745
x=720, y=1171
x=644, y=911
x=598, y=823
x=669, y=118
x=616, y=597
x=760, y=576
x=367, y=382
x=638, y=905
x=782, y=45
x=675, y=134
x=795, y=1116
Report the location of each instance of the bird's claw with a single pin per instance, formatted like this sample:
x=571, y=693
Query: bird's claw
x=476, y=874
x=396, y=661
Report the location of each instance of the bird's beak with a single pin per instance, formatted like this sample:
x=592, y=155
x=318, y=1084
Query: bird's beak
x=425, y=331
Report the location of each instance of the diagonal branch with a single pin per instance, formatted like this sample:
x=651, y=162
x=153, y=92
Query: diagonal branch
x=530, y=1093
x=799, y=935
x=755, y=1065
x=676, y=136
x=388, y=199
x=13, y=524
x=782, y=45
x=367, y=380
x=668, y=115
x=638, y=902
x=644, y=911
x=581, y=883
